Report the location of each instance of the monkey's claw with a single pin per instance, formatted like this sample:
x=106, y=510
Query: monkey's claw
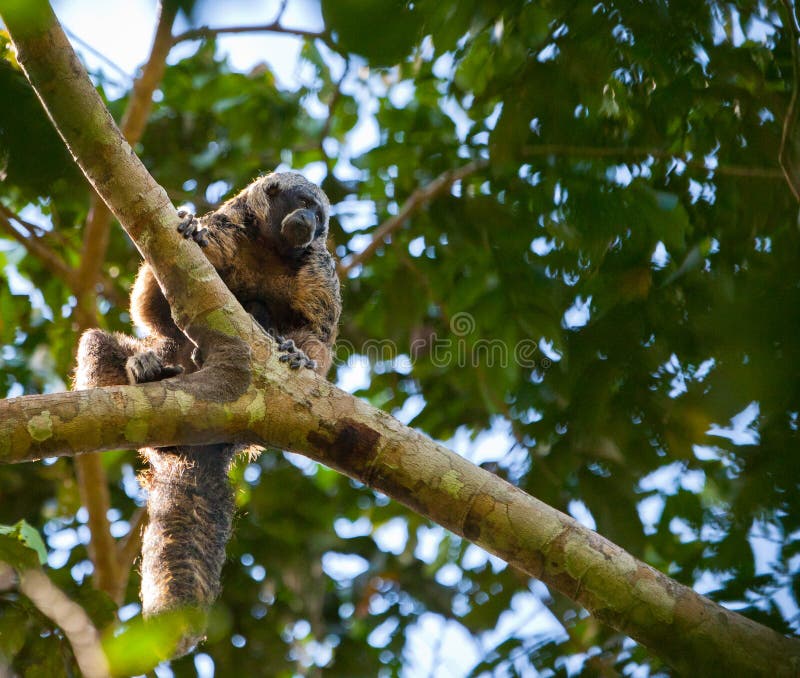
x=293, y=355
x=190, y=228
x=147, y=366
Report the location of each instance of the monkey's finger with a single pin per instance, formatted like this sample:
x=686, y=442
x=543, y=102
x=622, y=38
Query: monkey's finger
x=201, y=237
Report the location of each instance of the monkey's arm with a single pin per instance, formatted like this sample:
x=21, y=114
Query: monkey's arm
x=217, y=235
x=218, y=239
x=317, y=299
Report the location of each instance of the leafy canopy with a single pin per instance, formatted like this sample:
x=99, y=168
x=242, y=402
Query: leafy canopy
x=605, y=312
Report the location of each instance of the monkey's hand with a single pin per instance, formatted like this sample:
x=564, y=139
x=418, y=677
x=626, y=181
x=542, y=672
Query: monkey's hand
x=190, y=227
x=147, y=366
x=293, y=355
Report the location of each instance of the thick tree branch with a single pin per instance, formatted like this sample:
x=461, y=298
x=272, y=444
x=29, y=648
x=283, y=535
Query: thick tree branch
x=243, y=394
x=90, y=473
x=116, y=173
x=688, y=631
x=416, y=201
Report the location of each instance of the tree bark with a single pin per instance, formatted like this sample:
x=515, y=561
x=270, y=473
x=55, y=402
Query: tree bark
x=244, y=394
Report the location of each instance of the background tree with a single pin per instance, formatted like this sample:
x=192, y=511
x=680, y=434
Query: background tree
x=602, y=181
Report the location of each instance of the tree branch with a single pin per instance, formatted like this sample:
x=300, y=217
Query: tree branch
x=416, y=201
x=206, y=32
x=789, y=155
x=688, y=631
x=98, y=54
x=52, y=261
x=39, y=244
x=243, y=394
x=90, y=473
x=70, y=617
x=129, y=547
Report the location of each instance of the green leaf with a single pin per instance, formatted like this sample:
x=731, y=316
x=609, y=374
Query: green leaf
x=394, y=27
x=21, y=546
x=140, y=645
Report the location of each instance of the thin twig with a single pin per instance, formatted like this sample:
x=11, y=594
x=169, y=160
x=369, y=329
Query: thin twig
x=128, y=548
x=51, y=236
x=38, y=243
x=788, y=155
x=326, y=127
x=95, y=496
x=97, y=53
x=335, y=98
x=418, y=199
x=52, y=261
x=281, y=10
x=206, y=32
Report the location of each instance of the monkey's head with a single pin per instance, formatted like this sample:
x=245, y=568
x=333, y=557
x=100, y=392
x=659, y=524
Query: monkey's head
x=290, y=210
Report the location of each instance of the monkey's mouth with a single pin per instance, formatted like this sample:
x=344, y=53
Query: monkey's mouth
x=297, y=228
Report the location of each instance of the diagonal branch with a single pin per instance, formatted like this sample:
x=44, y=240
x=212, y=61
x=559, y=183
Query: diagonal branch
x=789, y=155
x=51, y=260
x=71, y=617
x=91, y=475
x=95, y=241
x=416, y=201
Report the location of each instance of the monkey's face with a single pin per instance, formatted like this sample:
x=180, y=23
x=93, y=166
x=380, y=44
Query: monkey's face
x=295, y=213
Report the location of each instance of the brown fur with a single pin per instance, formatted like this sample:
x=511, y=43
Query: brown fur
x=268, y=244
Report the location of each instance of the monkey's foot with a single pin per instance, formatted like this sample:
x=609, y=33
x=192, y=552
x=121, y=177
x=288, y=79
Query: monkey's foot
x=293, y=355
x=147, y=366
x=190, y=228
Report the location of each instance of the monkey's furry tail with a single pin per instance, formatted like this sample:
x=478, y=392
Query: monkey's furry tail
x=190, y=506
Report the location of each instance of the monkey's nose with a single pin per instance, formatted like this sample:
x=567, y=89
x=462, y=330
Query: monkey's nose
x=298, y=228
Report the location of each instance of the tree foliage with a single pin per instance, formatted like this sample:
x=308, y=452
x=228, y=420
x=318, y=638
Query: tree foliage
x=603, y=309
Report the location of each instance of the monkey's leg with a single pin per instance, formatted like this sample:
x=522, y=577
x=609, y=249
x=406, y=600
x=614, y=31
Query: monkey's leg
x=109, y=359
x=190, y=503
x=102, y=357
